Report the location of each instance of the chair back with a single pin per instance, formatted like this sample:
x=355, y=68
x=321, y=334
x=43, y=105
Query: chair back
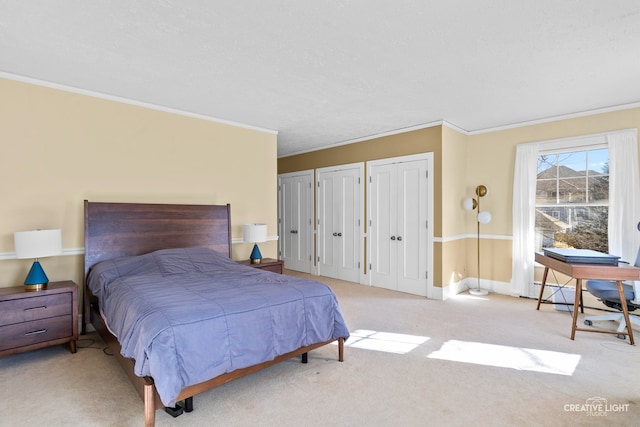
x=636, y=283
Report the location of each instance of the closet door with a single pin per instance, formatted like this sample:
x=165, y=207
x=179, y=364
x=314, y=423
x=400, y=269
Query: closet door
x=382, y=226
x=398, y=225
x=295, y=194
x=340, y=205
x=412, y=227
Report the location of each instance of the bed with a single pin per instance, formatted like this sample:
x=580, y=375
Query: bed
x=179, y=315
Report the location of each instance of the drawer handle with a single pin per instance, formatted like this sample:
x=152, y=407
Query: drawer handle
x=40, y=331
x=36, y=308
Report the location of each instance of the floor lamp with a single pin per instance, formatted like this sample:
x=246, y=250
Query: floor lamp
x=482, y=217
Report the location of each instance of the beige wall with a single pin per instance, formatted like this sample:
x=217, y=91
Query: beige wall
x=59, y=148
x=461, y=162
x=457, y=223
x=490, y=161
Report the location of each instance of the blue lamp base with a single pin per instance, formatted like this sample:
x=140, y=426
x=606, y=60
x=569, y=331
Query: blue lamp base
x=36, y=279
x=256, y=256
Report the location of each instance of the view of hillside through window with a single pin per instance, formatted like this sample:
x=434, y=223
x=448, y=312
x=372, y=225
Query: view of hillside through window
x=572, y=200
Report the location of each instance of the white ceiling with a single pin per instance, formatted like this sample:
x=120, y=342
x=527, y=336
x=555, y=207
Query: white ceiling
x=323, y=73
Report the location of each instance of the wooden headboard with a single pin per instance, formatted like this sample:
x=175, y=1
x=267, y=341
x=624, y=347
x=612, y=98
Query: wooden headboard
x=114, y=230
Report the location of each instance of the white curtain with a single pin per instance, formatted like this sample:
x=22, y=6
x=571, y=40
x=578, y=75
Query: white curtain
x=524, y=217
x=624, y=195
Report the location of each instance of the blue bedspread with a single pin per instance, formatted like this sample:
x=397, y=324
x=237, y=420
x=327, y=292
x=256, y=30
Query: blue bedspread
x=188, y=315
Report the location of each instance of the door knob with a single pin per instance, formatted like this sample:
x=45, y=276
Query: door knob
x=335, y=234
x=399, y=238
x=339, y=234
x=393, y=237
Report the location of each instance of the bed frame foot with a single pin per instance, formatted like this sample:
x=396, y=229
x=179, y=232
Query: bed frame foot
x=181, y=407
x=188, y=404
x=305, y=357
x=175, y=411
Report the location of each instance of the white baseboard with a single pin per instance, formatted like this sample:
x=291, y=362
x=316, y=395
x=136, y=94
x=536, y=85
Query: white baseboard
x=456, y=288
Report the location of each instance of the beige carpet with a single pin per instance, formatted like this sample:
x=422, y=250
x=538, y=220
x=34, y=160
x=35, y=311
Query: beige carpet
x=523, y=371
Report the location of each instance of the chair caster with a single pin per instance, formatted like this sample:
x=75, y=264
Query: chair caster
x=621, y=336
x=588, y=322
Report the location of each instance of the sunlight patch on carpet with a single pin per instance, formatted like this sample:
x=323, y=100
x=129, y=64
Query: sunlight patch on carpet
x=523, y=359
x=384, y=341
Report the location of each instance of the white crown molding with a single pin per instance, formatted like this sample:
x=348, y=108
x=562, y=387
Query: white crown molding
x=100, y=95
x=557, y=118
x=367, y=138
x=472, y=132
x=454, y=127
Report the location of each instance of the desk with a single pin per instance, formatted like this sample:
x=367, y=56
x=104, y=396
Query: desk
x=590, y=271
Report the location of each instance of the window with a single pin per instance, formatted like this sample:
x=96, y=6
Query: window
x=622, y=201
x=572, y=199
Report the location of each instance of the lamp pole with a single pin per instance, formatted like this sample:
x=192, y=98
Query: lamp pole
x=481, y=191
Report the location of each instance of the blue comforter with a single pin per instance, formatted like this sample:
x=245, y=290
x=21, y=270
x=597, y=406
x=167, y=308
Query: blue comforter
x=188, y=315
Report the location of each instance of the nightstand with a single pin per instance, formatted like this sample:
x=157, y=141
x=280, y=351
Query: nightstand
x=269, y=264
x=35, y=319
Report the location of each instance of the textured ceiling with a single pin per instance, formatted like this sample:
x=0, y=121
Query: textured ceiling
x=327, y=72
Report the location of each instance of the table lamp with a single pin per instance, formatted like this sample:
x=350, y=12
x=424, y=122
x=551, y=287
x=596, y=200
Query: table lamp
x=255, y=233
x=37, y=244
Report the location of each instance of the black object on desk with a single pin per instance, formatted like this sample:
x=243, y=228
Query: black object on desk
x=581, y=256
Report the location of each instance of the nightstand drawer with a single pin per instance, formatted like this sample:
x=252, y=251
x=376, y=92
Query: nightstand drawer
x=274, y=268
x=41, y=307
x=21, y=334
x=267, y=264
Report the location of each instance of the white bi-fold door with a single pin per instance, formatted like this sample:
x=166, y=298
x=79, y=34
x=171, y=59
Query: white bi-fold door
x=340, y=207
x=295, y=220
x=398, y=223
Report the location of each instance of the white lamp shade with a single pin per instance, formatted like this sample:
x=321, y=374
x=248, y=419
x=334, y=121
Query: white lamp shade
x=484, y=217
x=255, y=233
x=467, y=204
x=37, y=243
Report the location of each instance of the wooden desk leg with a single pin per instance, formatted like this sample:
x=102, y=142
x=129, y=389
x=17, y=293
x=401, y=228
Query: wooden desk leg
x=576, y=303
x=625, y=311
x=544, y=281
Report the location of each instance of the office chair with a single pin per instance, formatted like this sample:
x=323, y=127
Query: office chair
x=607, y=292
